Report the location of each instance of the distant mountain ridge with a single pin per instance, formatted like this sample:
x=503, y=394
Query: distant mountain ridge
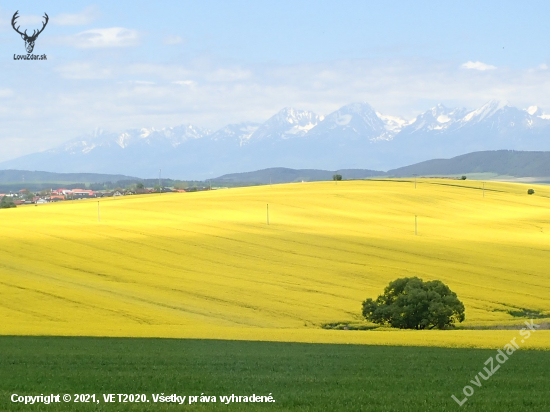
x=352, y=137
x=501, y=162
x=285, y=175
x=16, y=176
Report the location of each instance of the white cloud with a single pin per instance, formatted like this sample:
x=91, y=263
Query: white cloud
x=168, y=72
x=478, y=66
x=6, y=92
x=188, y=83
x=142, y=82
x=228, y=75
x=172, y=39
x=79, y=70
x=196, y=69
x=110, y=37
x=87, y=16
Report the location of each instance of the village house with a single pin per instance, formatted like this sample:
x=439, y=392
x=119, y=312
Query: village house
x=82, y=193
x=61, y=192
x=56, y=198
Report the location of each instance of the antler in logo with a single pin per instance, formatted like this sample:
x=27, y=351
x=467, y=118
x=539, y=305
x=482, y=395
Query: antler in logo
x=29, y=40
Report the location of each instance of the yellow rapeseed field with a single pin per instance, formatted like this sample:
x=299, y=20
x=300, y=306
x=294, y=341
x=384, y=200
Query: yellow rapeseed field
x=207, y=265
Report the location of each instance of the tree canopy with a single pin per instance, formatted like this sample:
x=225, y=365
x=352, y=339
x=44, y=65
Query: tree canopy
x=411, y=303
x=6, y=203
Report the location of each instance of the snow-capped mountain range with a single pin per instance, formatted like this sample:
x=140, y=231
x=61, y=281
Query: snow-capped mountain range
x=354, y=136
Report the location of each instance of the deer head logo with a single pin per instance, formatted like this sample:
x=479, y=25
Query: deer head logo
x=29, y=40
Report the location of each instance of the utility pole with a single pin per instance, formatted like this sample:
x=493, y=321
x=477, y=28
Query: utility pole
x=415, y=225
x=415, y=180
x=160, y=187
x=268, y=213
x=98, y=216
x=483, y=189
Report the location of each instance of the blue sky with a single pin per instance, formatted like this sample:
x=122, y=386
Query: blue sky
x=118, y=65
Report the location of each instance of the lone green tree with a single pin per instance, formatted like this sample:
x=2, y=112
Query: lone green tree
x=411, y=303
x=336, y=177
x=530, y=192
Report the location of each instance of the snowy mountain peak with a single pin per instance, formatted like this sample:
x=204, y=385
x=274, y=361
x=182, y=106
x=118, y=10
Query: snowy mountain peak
x=437, y=118
x=533, y=110
x=442, y=114
x=358, y=107
x=537, y=112
x=363, y=109
x=357, y=121
x=440, y=109
x=123, y=140
x=145, y=132
x=359, y=112
x=170, y=136
x=487, y=110
x=97, y=132
x=292, y=116
x=287, y=123
x=392, y=123
x=240, y=132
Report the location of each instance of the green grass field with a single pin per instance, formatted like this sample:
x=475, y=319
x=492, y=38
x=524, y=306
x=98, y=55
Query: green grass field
x=300, y=377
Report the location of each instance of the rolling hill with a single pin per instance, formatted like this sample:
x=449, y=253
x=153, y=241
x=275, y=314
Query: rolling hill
x=206, y=264
x=506, y=163
x=285, y=175
x=501, y=162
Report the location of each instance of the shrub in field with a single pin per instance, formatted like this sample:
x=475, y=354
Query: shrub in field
x=6, y=203
x=530, y=192
x=336, y=177
x=411, y=303
x=463, y=177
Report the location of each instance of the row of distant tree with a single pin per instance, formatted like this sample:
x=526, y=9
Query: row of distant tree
x=123, y=185
x=128, y=184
